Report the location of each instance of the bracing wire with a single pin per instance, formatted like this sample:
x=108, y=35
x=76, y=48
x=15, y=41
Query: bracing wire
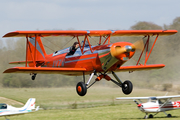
x=48, y=47
x=55, y=44
x=67, y=42
x=51, y=42
x=94, y=41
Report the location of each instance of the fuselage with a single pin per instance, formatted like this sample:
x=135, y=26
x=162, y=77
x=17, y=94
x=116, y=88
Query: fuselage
x=158, y=106
x=7, y=110
x=89, y=59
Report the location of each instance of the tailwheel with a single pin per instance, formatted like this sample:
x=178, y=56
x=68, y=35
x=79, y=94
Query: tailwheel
x=33, y=76
x=127, y=87
x=81, y=89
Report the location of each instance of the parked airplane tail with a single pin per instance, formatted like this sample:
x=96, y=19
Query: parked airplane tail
x=36, y=51
x=37, y=108
x=30, y=104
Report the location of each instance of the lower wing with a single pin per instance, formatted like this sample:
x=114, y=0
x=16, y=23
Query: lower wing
x=140, y=67
x=46, y=70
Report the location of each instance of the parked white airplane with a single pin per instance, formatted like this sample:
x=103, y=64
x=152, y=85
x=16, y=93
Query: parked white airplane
x=8, y=110
x=155, y=104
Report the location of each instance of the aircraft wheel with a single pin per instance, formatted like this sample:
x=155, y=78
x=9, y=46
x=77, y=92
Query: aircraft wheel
x=169, y=115
x=150, y=116
x=33, y=77
x=127, y=87
x=81, y=88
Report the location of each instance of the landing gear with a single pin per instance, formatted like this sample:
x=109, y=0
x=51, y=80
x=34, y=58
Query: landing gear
x=81, y=88
x=150, y=116
x=33, y=76
x=126, y=86
x=169, y=115
x=146, y=116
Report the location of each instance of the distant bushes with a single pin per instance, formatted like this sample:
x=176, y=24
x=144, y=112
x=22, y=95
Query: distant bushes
x=167, y=86
x=42, y=80
x=164, y=87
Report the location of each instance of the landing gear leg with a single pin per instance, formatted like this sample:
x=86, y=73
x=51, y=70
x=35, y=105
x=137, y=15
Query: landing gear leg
x=146, y=116
x=6, y=118
x=81, y=87
x=33, y=76
x=126, y=86
x=168, y=115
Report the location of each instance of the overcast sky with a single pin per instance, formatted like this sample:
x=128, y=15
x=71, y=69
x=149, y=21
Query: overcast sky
x=84, y=14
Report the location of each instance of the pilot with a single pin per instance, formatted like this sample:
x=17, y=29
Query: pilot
x=73, y=48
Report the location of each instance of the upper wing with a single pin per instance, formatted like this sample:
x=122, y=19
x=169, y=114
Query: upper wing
x=139, y=67
x=66, y=71
x=90, y=33
x=131, y=98
x=166, y=97
x=158, y=97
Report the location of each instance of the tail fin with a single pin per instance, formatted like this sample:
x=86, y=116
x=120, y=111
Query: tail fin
x=30, y=104
x=40, y=53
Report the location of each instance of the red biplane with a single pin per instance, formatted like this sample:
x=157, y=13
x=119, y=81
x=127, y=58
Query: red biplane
x=97, y=60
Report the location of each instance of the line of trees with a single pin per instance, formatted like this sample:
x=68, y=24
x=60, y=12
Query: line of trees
x=166, y=51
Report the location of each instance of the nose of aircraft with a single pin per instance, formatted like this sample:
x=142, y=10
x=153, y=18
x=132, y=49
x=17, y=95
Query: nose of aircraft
x=119, y=51
x=139, y=105
x=125, y=47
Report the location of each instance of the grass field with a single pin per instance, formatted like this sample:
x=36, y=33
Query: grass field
x=99, y=103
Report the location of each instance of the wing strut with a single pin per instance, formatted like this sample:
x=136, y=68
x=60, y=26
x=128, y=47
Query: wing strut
x=82, y=48
x=35, y=49
x=108, y=38
x=146, y=46
x=27, y=44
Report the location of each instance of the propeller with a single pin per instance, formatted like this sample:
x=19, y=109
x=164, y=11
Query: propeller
x=138, y=45
x=119, y=50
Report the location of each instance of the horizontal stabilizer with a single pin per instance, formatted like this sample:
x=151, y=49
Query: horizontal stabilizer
x=140, y=67
x=20, y=62
x=37, y=108
x=46, y=70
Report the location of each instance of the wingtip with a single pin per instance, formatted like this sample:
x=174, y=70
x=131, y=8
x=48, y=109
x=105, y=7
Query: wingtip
x=11, y=34
x=10, y=70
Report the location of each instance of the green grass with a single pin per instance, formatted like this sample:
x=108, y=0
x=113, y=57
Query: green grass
x=99, y=103
x=60, y=98
x=117, y=112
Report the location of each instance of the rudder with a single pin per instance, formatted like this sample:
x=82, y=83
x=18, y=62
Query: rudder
x=30, y=104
